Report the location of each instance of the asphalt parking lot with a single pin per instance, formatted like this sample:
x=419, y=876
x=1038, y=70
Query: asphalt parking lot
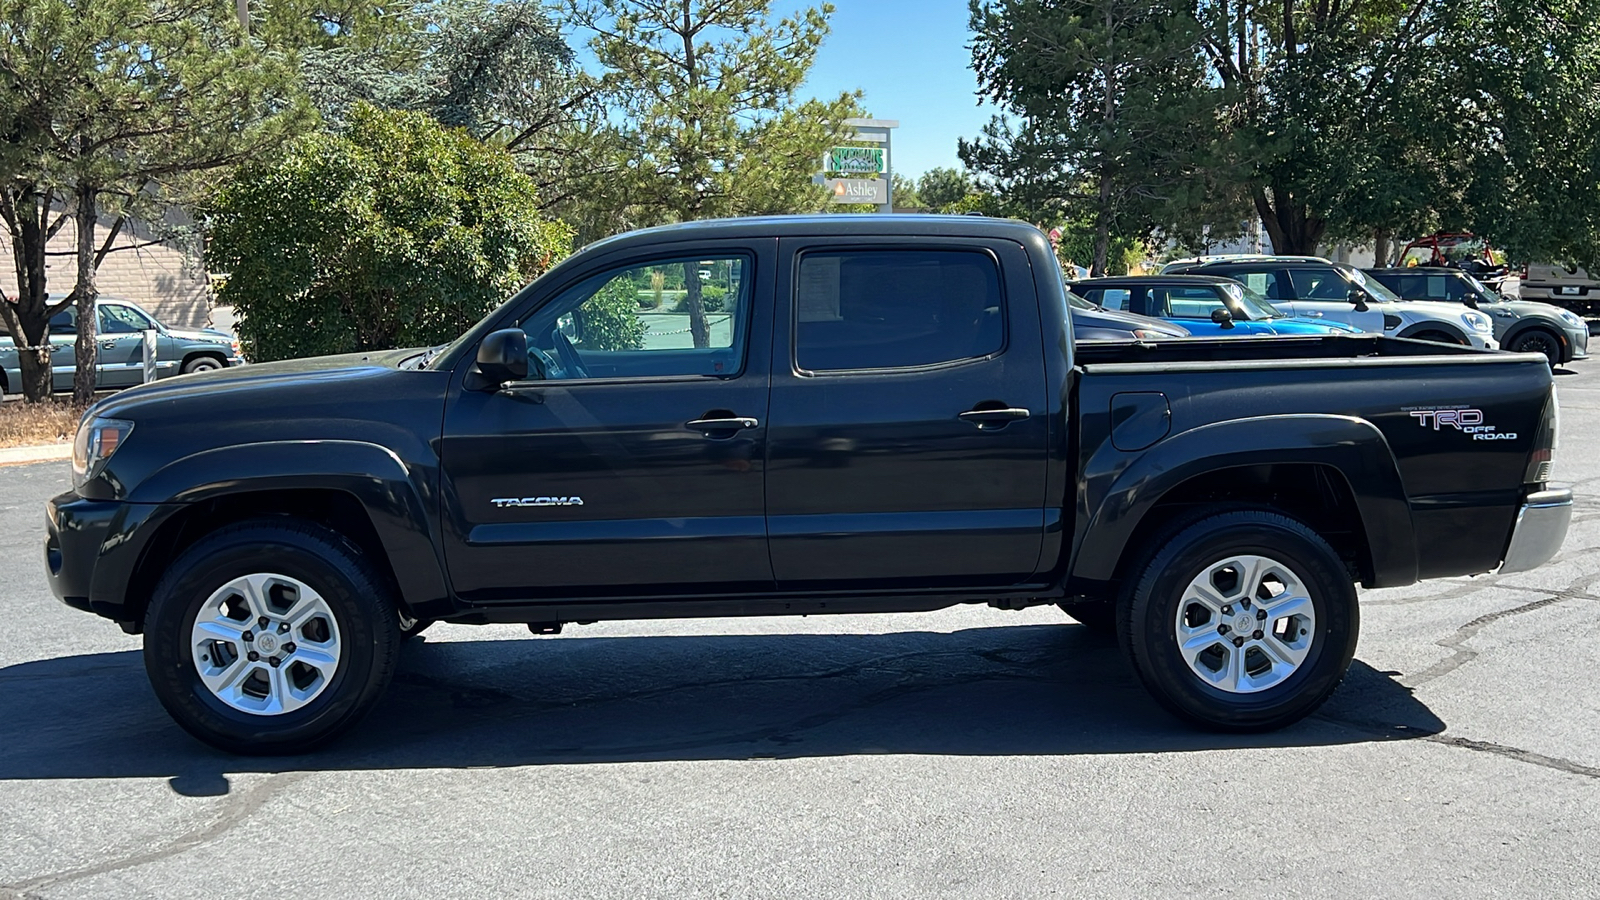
x=966, y=753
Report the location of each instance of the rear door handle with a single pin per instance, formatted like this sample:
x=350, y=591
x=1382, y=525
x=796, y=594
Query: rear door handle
x=731, y=423
x=991, y=417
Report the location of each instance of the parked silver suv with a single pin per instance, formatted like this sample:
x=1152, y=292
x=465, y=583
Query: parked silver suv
x=121, y=354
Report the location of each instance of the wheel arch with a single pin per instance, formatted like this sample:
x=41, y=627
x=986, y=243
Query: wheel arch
x=360, y=490
x=192, y=355
x=1428, y=326
x=1521, y=329
x=1336, y=473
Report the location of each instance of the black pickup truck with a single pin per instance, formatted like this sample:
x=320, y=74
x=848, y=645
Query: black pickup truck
x=835, y=414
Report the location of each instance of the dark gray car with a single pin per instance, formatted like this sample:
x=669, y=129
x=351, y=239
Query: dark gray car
x=1523, y=326
x=121, y=354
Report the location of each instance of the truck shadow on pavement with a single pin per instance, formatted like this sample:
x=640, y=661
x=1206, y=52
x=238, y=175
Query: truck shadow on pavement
x=1020, y=690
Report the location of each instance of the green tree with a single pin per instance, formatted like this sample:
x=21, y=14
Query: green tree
x=396, y=232
x=941, y=188
x=705, y=116
x=1110, y=105
x=905, y=193
x=114, y=108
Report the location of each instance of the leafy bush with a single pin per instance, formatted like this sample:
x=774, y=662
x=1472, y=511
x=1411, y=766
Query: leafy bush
x=398, y=232
x=712, y=296
x=609, y=320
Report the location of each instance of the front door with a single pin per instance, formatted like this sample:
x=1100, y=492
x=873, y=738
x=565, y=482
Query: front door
x=121, y=352
x=908, y=430
x=631, y=461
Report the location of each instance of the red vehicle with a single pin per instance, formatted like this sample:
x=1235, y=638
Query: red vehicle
x=1458, y=250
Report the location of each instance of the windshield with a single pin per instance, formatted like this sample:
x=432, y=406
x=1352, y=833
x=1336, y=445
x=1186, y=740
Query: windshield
x=1076, y=302
x=1245, y=303
x=1483, y=292
x=1371, y=285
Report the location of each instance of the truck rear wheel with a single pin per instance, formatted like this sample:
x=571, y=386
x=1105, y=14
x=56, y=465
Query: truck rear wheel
x=270, y=636
x=1240, y=621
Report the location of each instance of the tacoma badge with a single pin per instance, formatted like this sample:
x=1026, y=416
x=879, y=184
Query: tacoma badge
x=503, y=502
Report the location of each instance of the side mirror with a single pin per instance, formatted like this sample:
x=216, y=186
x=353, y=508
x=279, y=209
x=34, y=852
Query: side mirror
x=1358, y=298
x=1222, y=317
x=502, y=357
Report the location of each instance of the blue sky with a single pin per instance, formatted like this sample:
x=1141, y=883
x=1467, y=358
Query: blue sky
x=910, y=59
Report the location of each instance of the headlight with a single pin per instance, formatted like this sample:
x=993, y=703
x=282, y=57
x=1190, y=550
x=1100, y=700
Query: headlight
x=1572, y=318
x=97, y=438
x=1146, y=334
x=1476, y=321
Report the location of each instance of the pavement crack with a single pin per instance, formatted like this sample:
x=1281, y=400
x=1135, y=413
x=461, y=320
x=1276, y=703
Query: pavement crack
x=239, y=807
x=1516, y=753
x=1460, y=653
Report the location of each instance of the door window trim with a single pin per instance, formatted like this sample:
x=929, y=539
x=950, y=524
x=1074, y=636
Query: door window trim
x=743, y=253
x=823, y=249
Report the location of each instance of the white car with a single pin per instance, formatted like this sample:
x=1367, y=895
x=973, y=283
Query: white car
x=1319, y=289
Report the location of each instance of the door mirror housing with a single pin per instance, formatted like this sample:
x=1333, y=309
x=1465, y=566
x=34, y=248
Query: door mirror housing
x=1222, y=317
x=1358, y=298
x=502, y=357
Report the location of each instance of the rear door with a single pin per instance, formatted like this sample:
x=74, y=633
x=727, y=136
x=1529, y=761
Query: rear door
x=907, y=437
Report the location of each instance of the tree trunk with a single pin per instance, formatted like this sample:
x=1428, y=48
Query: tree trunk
x=1289, y=223
x=1380, y=247
x=26, y=215
x=1102, y=230
x=88, y=322
x=697, y=307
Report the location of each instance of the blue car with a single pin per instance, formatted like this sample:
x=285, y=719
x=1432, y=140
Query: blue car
x=1206, y=305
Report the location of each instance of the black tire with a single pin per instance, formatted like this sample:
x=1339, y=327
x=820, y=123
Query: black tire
x=1538, y=340
x=1099, y=616
x=203, y=364
x=1148, y=624
x=358, y=597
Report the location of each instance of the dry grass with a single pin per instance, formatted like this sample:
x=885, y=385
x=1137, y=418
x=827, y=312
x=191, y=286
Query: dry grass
x=31, y=424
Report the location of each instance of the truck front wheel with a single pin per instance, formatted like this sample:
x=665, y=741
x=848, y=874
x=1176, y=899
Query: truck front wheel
x=270, y=636
x=1243, y=620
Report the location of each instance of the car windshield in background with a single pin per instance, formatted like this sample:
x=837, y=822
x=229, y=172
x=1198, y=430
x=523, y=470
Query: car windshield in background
x=1076, y=302
x=1483, y=292
x=1247, y=304
x=1371, y=285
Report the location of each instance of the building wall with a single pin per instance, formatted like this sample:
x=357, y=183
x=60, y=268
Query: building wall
x=158, y=277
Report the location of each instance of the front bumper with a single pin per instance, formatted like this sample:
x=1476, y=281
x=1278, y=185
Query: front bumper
x=91, y=548
x=1482, y=341
x=1540, y=530
x=1578, y=339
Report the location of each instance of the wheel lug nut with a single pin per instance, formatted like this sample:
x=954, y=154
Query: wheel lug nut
x=249, y=635
x=253, y=656
x=1261, y=614
x=289, y=647
x=1222, y=629
x=1238, y=642
x=263, y=621
x=1227, y=610
x=283, y=628
x=273, y=662
x=1256, y=635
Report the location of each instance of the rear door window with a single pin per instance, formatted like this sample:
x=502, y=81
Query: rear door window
x=891, y=309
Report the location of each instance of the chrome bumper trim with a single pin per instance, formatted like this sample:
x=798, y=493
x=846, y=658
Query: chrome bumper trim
x=1541, y=528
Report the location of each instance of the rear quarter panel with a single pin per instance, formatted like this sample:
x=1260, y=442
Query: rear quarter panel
x=1461, y=487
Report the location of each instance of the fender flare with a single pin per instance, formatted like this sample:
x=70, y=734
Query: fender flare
x=1354, y=447
x=1526, y=325
x=374, y=475
x=1442, y=327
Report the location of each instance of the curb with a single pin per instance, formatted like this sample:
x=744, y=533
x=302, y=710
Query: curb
x=14, y=456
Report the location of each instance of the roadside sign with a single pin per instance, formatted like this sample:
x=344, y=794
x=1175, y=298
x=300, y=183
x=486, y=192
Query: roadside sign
x=855, y=161
x=859, y=190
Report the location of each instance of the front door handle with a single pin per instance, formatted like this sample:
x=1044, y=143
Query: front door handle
x=728, y=423
x=987, y=419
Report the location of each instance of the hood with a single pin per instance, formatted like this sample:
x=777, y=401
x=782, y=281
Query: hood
x=271, y=376
x=202, y=334
x=1125, y=321
x=1305, y=325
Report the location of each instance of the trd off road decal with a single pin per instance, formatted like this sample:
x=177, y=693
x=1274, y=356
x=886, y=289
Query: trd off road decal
x=1464, y=419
